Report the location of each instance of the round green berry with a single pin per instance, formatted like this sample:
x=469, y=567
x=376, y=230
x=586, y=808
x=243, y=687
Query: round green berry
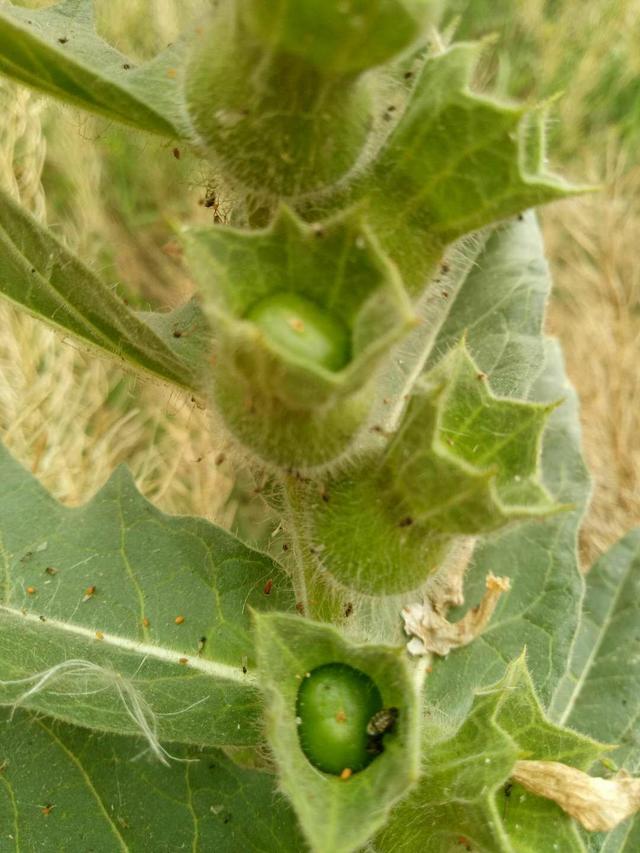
x=335, y=704
x=300, y=327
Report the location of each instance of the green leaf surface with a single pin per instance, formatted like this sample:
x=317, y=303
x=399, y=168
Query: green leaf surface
x=464, y=800
x=39, y=274
x=67, y=789
x=57, y=51
x=277, y=396
x=600, y=694
x=501, y=306
x=117, y=617
x=336, y=814
x=455, y=162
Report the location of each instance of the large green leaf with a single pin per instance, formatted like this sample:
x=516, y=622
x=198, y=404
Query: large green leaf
x=462, y=802
x=501, y=306
x=67, y=789
x=600, y=694
x=336, y=814
x=57, y=51
x=117, y=617
x=39, y=274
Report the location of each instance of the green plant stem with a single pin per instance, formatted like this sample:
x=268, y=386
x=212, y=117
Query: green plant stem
x=313, y=596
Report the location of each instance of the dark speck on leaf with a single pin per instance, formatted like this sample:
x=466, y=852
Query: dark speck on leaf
x=63, y=40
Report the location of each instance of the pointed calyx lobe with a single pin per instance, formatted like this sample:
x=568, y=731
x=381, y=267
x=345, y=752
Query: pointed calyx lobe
x=455, y=162
x=303, y=316
x=277, y=94
x=467, y=795
x=463, y=462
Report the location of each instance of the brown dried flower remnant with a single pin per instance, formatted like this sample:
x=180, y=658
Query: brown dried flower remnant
x=598, y=804
x=431, y=632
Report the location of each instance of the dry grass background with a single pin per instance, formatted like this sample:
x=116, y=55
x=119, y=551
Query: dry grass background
x=71, y=418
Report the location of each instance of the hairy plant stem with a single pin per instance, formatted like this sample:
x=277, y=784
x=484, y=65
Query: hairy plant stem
x=313, y=596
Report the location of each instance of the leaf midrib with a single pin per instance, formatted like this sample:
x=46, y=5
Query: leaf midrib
x=204, y=666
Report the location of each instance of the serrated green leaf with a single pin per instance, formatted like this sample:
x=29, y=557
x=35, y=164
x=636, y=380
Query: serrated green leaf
x=462, y=799
x=336, y=814
x=455, y=162
x=114, y=607
x=57, y=51
x=39, y=274
x=600, y=693
x=462, y=462
x=286, y=407
x=64, y=788
x=541, y=610
x=502, y=306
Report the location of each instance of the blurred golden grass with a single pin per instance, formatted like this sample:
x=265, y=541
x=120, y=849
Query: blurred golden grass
x=72, y=418
x=593, y=245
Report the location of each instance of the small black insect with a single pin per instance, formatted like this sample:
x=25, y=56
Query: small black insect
x=382, y=722
x=507, y=793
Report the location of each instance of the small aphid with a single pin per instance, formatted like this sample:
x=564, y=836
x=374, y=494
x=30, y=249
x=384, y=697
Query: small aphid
x=444, y=267
x=99, y=635
x=89, y=592
x=63, y=40
x=268, y=587
x=201, y=644
x=220, y=458
x=300, y=607
x=51, y=571
x=407, y=521
x=176, y=153
x=145, y=622
x=347, y=773
x=126, y=66
x=341, y=716
x=445, y=295
x=244, y=665
x=177, y=333
x=348, y=610
x=179, y=620
x=31, y=590
x=183, y=661
x=507, y=793
x=481, y=376
x=46, y=810
x=382, y=722
x=285, y=546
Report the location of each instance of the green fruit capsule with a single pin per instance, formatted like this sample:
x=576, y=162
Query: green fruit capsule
x=335, y=704
x=300, y=327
